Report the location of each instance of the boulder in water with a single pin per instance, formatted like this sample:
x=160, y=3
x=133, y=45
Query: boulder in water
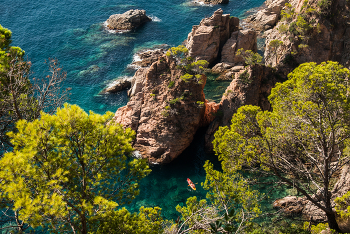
x=118, y=85
x=214, y=2
x=128, y=20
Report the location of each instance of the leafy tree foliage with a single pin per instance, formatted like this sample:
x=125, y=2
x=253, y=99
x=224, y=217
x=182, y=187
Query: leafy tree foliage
x=68, y=168
x=250, y=58
x=147, y=221
x=7, y=52
x=229, y=208
x=20, y=98
x=343, y=206
x=284, y=226
x=193, y=69
x=274, y=45
x=304, y=141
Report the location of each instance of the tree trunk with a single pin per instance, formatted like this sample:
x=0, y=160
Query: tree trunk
x=332, y=222
x=83, y=224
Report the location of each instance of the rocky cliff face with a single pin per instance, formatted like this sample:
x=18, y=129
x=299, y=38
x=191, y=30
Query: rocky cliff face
x=249, y=86
x=164, y=111
x=217, y=40
x=206, y=39
x=325, y=36
x=243, y=39
x=267, y=17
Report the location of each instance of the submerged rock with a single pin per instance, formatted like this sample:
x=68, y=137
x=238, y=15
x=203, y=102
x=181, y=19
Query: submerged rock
x=91, y=70
x=128, y=20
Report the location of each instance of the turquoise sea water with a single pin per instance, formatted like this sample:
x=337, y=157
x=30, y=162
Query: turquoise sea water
x=73, y=32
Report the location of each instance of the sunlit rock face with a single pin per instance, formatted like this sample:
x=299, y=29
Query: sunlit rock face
x=206, y=40
x=127, y=21
x=164, y=111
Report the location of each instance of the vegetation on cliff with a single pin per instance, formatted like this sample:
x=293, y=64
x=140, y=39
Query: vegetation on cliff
x=67, y=171
x=21, y=96
x=71, y=170
x=194, y=69
x=304, y=141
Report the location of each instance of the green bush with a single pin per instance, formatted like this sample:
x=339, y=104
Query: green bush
x=244, y=77
x=171, y=84
x=172, y=102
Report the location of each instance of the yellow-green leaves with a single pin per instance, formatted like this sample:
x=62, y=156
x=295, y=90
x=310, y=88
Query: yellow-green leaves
x=7, y=51
x=304, y=141
x=147, y=221
x=179, y=51
x=241, y=142
x=68, y=166
x=228, y=190
x=343, y=205
x=250, y=58
x=230, y=205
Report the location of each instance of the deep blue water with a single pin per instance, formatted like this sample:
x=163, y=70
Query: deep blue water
x=72, y=31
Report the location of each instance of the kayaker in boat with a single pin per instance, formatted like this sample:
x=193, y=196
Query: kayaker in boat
x=191, y=184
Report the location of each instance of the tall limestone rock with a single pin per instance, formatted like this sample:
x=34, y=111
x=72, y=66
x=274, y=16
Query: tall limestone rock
x=250, y=86
x=243, y=39
x=206, y=40
x=164, y=111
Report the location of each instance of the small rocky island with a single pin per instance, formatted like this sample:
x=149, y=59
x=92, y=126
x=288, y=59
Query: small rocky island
x=213, y=2
x=129, y=20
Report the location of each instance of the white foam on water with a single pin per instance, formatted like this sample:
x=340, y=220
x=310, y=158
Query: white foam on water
x=111, y=84
x=113, y=31
x=155, y=18
x=202, y=3
x=137, y=154
x=136, y=58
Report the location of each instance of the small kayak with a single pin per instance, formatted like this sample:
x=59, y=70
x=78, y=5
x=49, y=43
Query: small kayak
x=191, y=184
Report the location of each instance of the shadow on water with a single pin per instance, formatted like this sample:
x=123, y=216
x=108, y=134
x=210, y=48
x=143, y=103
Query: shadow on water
x=166, y=186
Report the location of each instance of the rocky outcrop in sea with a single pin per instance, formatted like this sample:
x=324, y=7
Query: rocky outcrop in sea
x=217, y=39
x=164, y=111
x=213, y=2
x=206, y=40
x=129, y=20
